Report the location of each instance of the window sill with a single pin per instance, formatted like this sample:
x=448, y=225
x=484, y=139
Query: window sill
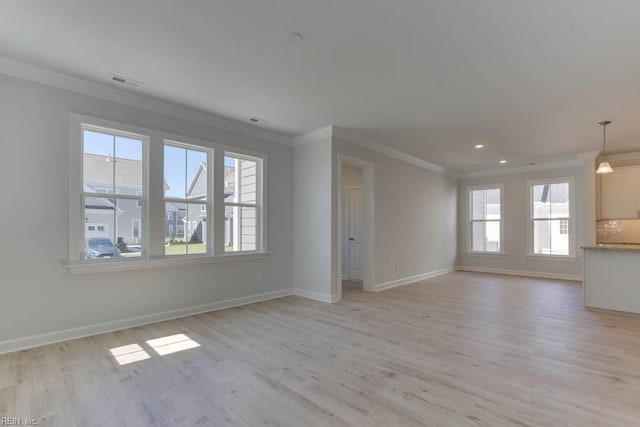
x=550, y=257
x=89, y=267
x=487, y=254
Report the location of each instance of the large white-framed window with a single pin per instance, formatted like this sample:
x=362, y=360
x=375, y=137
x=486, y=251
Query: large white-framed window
x=551, y=211
x=242, y=202
x=187, y=188
x=121, y=175
x=486, y=219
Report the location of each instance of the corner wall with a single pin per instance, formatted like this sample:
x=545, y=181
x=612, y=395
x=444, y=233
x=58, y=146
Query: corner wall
x=312, y=192
x=415, y=222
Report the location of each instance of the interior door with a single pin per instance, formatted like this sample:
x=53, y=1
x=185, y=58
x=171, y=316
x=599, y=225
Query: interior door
x=357, y=238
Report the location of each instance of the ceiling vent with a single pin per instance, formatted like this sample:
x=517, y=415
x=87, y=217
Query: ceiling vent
x=125, y=81
x=258, y=120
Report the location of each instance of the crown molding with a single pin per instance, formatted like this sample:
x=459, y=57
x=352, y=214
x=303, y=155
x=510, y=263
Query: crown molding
x=313, y=136
x=589, y=155
x=524, y=169
x=361, y=141
x=85, y=87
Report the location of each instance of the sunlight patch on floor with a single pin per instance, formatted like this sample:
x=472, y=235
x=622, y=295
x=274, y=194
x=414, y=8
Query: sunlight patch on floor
x=172, y=344
x=129, y=353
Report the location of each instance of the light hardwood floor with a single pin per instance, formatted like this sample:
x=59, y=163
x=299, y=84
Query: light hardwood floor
x=463, y=349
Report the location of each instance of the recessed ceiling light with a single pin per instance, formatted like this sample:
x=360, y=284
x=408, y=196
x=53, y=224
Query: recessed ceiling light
x=479, y=146
x=294, y=37
x=502, y=162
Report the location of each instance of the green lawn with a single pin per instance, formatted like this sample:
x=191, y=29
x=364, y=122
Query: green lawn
x=194, y=248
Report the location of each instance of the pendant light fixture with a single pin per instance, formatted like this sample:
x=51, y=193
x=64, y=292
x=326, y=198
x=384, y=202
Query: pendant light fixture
x=604, y=167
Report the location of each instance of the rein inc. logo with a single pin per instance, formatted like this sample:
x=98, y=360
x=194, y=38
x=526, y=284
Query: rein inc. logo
x=18, y=421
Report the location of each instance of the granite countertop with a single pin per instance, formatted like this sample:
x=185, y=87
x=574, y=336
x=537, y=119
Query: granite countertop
x=614, y=247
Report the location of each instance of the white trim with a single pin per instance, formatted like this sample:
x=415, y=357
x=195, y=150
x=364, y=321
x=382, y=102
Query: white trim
x=100, y=328
x=313, y=136
x=545, y=257
x=368, y=184
x=115, y=264
x=589, y=155
x=74, y=84
x=523, y=273
x=353, y=138
x=318, y=296
x=523, y=169
x=486, y=254
x=413, y=279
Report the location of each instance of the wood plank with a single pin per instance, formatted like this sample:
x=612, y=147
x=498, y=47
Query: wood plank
x=461, y=349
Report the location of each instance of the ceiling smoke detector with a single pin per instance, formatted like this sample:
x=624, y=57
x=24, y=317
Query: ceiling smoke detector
x=125, y=81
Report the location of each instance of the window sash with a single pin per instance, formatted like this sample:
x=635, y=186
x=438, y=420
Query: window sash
x=472, y=220
x=569, y=231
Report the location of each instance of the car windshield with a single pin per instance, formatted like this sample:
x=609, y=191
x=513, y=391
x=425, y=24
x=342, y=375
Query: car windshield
x=100, y=243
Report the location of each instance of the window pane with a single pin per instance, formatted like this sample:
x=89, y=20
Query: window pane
x=185, y=173
x=478, y=202
x=197, y=175
x=559, y=196
x=485, y=236
x=113, y=228
x=128, y=165
x=98, y=167
x=128, y=237
x=549, y=238
x=240, y=228
x=485, y=204
x=541, y=203
x=175, y=172
x=240, y=180
x=185, y=229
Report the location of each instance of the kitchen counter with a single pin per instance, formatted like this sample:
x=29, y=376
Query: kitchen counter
x=611, y=276
x=614, y=247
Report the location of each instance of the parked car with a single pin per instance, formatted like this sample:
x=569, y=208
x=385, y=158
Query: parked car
x=100, y=247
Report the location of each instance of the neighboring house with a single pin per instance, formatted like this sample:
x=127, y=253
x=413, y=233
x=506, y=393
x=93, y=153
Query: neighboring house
x=103, y=216
x=181, y=223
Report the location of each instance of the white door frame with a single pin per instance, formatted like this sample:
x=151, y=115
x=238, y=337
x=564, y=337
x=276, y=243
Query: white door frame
x=348, y=218
x=369, y=220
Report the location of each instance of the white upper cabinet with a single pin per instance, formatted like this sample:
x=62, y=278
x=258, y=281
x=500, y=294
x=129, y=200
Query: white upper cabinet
x=621, y=193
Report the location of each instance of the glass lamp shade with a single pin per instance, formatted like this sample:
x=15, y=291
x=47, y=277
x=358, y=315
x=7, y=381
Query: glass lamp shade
x=604, y=167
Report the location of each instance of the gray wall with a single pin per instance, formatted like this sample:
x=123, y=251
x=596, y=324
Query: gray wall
x=312, y=194
x=38, y=293
x=414, y=216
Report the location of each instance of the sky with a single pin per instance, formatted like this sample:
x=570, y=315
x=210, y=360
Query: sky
x=179, y=163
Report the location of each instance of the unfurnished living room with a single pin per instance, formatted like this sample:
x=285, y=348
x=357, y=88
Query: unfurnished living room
x=313, y=213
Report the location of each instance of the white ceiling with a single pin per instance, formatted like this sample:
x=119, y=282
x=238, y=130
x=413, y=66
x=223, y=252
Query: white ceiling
x=529, y=79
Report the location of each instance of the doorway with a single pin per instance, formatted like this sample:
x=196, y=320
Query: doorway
x=353, y=227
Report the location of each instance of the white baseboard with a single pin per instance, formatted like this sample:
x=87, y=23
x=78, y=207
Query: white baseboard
x=316, y=295
x=99, y=328
x=412, y=279
x=538, y=274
